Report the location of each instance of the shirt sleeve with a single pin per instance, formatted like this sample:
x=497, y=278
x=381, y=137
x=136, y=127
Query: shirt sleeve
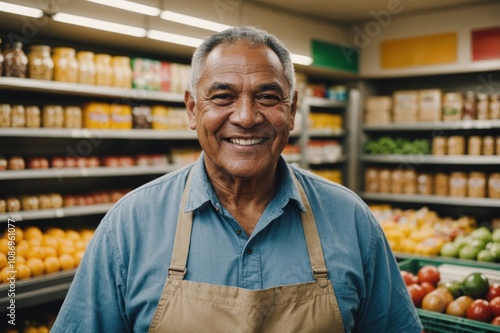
x=95, y=301
x=388, y=306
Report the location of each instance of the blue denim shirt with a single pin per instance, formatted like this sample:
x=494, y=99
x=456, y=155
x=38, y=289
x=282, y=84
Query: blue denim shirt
x=121, y=277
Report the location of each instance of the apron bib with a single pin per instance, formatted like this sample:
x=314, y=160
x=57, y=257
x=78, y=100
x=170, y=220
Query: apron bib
x=187, y=306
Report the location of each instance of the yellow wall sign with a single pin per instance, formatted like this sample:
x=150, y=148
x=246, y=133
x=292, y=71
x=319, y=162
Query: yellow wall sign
x=419, y=51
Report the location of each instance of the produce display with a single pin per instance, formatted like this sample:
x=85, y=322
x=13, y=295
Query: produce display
x=474, y=297
x=388, y=145
x=29, y=252
x=481, y=245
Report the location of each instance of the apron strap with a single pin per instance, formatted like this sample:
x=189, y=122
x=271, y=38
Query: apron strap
x=177, y=269
x=313, y=241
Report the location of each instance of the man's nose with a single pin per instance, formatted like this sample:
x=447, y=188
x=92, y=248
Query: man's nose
x=246, y=113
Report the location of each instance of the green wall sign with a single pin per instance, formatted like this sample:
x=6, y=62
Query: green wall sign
x=335, y=56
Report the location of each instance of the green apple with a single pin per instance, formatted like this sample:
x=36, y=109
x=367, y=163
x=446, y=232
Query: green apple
x=461, y=241
x=495, y=236
x=478, y=243
x=468, y=252
x=481, y=233
x=450, y=250
x=485, y=255
x=495, y=249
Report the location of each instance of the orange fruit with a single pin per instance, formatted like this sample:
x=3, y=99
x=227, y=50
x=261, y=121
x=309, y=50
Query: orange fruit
x=78, y=255
x=22, y=248
x=79, y=245
x=48, y=240
x=32, y=232
x=65, y=246
x=51, y=264
x=86, y=234
x=4, y=246
x=49, y=251
x=35, y=252
x=19, y=234
x=4, y=274
x=30, y=329
x=23, y=271
x=67, y=261
x=35, y=241
x=36, y=265
x=3, y=260
x=43, y=329
x=20, y=260
x=72, y=234
x=56, y=232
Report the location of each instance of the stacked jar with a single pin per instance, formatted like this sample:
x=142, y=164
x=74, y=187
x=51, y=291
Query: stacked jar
x=65, y=64
x=104, y=70
x=122, y=72
x=40, y=63
x=86, y=67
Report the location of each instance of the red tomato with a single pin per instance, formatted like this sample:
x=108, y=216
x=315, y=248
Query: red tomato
x=496, y=321
x=479, y=310
x=427, y=287
x=429, y=273
x=495, y=306
x=409, y=278
x=417, y=294
x=493, y=291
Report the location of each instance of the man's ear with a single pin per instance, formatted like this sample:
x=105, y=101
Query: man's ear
x=293, y=108
x=190, y=107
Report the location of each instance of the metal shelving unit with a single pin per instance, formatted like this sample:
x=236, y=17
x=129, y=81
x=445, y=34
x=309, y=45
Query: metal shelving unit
x=433, y=199
x=58, y=213
x=432, y=159
x=429, y=126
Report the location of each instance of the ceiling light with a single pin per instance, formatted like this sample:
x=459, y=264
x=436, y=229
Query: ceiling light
x=20, y=10
x=99, y=24
x=174, y=38
x=301, y=59
x=130, y=6
x=193, y=21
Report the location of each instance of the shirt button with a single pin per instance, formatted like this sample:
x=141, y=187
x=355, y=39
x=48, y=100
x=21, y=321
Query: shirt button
x=238, y=232
x=249, y=251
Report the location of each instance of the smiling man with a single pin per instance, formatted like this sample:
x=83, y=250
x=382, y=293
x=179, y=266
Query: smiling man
x=239, y=241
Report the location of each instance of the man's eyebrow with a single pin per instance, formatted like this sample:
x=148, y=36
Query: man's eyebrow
x=216, y=86
x=271, y=86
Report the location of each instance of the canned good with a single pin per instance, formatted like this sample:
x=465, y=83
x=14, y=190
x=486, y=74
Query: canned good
x=424, y=184
x=53, y=116
x=441, y=183
x=33, y=117
x=371, y=180
x=439, y=146
x=456, y=145
x=476, y=185
x=488, y=145
x=458, y=184
x=475, y=145
x=494, y=185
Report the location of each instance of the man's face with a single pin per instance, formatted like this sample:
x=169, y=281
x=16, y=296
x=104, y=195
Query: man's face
x=243, y=113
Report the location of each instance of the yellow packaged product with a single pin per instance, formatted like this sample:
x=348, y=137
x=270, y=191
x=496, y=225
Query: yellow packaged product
x=121, y=116
x=104, y=70
x=65, y=64
x=122, y=72
x=160, y=115
x=96, y=116
x=87, y=69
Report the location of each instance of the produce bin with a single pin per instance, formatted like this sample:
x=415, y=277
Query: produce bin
x=435, y=322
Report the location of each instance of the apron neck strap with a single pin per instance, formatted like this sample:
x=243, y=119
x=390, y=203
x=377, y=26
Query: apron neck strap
x=177, y=269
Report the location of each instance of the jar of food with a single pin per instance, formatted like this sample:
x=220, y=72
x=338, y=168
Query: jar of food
x=424, y=183
x=456, y=145
x=474, y=146
x=488, y=145
x=96, y=116
x=3, y=206
x=160, y=117
x=494, y=107
x=122, y=72
x=458, y=184
x=494, y=185
x=73, y=117
x=17, y=116
x=13, y=204
x=15, y=61
x=1, y=58
x=371, y=180
x=441, y=183
x=16, y=163
x=497, y=144
x=410, y=182
x=384, y=181
x=33, y=116
x=3, y=163
x=439, y=146
x=141, y=117
x=40, y=63
x=86, y=67
x=104, y=70
x=44, y=201
x=53, y=116
x=5, y=112
x=469, y=111
x=396, y=183
x=483, y=106
x=65, y=64
x=121, y=116
x=56, y=200
x=476, y=185
x=29, y=202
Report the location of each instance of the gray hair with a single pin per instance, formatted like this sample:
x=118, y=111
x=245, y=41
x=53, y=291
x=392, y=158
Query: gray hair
x=254, y=37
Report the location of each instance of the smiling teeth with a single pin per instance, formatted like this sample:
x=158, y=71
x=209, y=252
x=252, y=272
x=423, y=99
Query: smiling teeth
x=246, y=142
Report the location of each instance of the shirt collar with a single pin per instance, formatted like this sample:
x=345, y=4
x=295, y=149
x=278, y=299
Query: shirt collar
x=201, y=192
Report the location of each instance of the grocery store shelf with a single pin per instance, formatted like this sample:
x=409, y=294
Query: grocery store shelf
x=78, y=89
x=326, y=132
x=431, y=159
x=433, y=199
x=55, y=213
x=445, y=260
x=324, y=102
x=86, y=172
x=37, y=290
x=429, y=126
x=97, y=134
x=341, y=159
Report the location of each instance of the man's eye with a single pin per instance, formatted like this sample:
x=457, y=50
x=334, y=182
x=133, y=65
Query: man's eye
x=223, y=99
x=268, y=99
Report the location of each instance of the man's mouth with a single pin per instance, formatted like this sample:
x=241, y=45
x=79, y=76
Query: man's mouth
x=246, y=142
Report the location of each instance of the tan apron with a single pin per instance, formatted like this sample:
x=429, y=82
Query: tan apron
x=187, y=306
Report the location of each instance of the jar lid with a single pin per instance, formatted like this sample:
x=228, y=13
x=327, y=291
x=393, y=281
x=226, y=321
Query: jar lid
x=102, y=56
x=65, y=50
x=40, y=48
x=84, y=54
